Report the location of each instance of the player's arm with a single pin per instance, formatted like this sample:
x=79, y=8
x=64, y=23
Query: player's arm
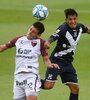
x=3, y=47
x=9, y=44
x=51, y=39
x=85, y=29
x=45, y=56
x=48, y=62
x=48, y=42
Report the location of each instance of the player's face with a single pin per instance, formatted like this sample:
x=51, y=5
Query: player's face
x=32, y=33
x=72, y=21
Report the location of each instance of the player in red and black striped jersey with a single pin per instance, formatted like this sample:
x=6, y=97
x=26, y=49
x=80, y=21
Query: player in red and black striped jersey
x=67, y=36
x=28, y=49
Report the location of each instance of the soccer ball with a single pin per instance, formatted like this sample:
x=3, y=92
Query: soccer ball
x=40, y=12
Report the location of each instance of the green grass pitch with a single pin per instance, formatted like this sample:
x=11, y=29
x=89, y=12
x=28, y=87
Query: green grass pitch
x=15, y=19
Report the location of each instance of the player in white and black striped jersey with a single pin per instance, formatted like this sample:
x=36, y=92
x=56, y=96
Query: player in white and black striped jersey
x=67, y=36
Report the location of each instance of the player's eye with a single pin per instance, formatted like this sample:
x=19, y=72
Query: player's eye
x=30, y=29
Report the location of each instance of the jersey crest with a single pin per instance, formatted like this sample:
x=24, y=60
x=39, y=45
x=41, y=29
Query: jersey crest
x=33, y=43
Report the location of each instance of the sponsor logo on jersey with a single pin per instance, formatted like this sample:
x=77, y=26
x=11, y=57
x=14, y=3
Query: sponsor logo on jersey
x=23, y=51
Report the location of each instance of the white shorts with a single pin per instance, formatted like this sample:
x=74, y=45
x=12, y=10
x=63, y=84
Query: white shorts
x=26, y=84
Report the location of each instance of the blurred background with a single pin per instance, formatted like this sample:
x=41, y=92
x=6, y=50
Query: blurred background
x=15, y=19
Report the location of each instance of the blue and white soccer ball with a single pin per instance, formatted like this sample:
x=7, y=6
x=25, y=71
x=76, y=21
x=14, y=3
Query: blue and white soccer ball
x=40, y=12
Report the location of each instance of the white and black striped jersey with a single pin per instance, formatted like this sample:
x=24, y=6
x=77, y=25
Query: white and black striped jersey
x=67, y=40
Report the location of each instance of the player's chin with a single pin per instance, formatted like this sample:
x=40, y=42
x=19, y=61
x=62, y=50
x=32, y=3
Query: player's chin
x=73, y=25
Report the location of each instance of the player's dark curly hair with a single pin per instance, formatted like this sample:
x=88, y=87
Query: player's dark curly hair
x=39, y=26
x=70, y=11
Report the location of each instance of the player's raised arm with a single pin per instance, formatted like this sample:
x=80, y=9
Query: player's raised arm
x=3, y=47
x=9, y=44
x=48, y=42
x=52, y=38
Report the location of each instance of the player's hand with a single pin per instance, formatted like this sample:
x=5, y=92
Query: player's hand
x=54, y=66
x=46, y=45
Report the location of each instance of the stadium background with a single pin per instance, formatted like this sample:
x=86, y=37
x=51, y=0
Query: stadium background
x=15, y=19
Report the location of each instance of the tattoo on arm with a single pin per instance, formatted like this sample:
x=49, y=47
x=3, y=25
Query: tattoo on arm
x=50, y=40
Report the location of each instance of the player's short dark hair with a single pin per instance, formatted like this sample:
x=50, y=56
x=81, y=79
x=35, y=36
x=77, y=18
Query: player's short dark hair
x=69, y=12
x=39, y=26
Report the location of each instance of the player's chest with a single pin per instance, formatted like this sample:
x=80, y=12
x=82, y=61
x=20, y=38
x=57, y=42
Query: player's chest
x=73, y=35
x=27, y=46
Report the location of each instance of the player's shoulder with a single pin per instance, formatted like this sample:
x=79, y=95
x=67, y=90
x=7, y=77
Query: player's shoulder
x=80, y=25
x=21, y=37
x=16, y=38
x=62, y=28
x=41, y=40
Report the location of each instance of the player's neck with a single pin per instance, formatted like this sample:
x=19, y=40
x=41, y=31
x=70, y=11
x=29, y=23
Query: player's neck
x=30, y=38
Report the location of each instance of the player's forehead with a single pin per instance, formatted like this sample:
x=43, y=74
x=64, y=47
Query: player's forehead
x=72, y=16
x=33, y=28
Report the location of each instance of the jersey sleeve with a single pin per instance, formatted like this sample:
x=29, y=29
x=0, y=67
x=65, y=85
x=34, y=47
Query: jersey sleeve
x=42, y=49
x=56, y=34
x=12, y=42
x=85, y=29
